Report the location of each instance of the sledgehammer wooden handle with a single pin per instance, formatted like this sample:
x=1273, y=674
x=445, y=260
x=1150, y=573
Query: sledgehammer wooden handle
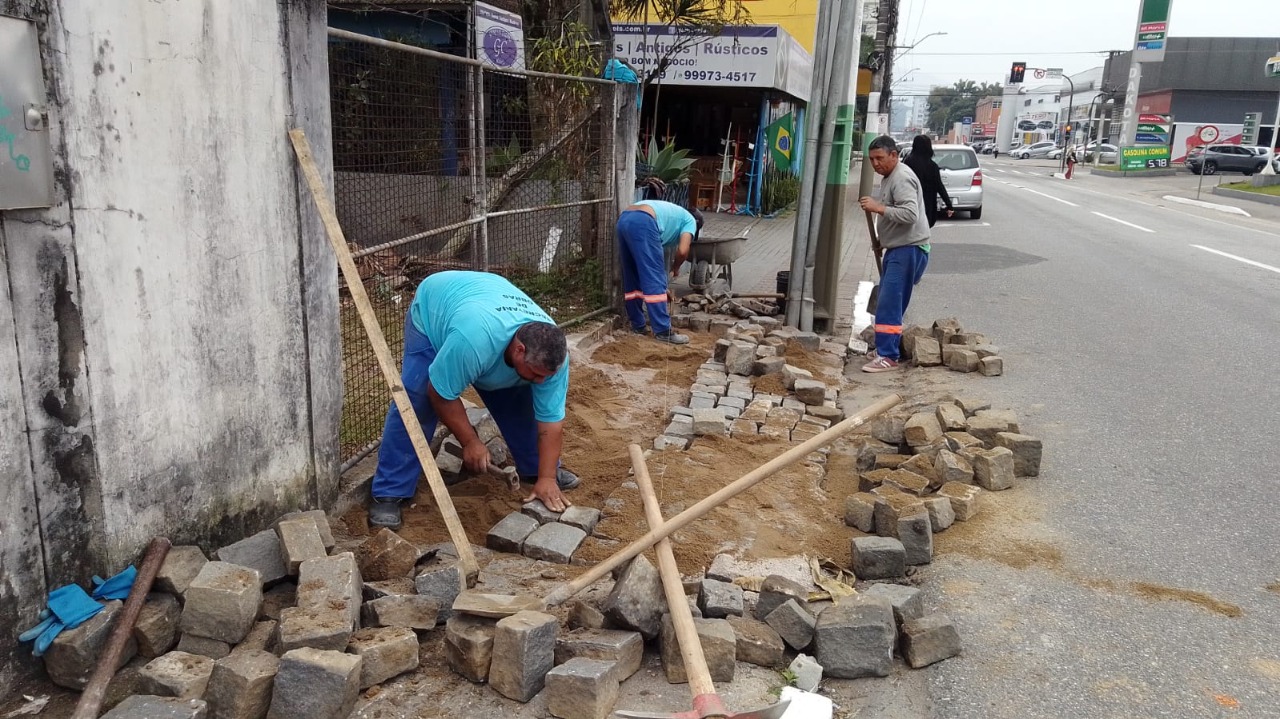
x=379, y=343
x=742, y=484
x=695, y=662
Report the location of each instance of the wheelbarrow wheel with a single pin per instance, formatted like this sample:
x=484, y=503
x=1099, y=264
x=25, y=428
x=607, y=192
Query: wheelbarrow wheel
x=699, y=275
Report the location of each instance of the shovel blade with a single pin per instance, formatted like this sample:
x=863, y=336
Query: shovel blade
x=873, y=301
x=774, y=711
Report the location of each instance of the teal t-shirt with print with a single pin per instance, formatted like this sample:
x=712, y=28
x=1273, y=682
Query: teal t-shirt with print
x=673, y=220
x=470, y=318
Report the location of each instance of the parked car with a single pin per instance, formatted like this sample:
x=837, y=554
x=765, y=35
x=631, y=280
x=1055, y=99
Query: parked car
x=1039, y=149
x=1107, y=154
x=962, y=177
x=1212, y=159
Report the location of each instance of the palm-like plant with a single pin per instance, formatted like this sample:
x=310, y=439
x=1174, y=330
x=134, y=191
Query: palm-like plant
x=668, y=164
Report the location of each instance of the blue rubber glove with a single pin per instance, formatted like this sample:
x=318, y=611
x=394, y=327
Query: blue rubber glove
x=69, y=607
x=116, y=587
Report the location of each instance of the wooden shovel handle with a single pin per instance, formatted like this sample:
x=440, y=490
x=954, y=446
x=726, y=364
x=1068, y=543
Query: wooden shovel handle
x=379, y=343
x=695, y=662
x=742, y=484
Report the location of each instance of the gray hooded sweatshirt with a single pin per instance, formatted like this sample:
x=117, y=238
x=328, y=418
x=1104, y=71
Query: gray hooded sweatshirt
x=904, y=222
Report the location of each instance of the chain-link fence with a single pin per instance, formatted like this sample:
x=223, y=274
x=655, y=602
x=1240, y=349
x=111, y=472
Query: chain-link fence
x=441, y=163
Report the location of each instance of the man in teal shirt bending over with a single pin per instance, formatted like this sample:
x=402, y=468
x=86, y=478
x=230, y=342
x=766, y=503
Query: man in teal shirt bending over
x=475, y=329
x=644, y=231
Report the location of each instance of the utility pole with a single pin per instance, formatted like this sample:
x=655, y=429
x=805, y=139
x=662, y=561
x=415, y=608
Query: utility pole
x=887, y=22
x=877, y=122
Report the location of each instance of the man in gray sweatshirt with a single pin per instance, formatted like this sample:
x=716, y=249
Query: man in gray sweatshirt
x=903, y=232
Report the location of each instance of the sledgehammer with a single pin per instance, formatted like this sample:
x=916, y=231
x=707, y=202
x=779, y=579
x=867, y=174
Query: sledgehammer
x=706, y=702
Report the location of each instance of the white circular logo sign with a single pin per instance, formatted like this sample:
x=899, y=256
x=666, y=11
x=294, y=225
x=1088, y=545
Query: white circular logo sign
x=1208, y=134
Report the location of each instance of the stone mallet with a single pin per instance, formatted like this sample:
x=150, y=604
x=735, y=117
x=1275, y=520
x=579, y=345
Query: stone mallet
x=561, y=593
x=706, y=702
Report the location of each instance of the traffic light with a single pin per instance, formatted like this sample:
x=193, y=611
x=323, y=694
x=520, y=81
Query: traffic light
x=1067, y=128
x=1017, y=73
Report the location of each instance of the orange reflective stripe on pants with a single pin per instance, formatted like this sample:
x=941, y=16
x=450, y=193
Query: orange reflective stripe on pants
x=889, y=329
x=633, y=295
x=653, y=299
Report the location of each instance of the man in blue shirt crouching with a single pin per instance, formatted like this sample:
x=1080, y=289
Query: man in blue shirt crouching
x=467, y=329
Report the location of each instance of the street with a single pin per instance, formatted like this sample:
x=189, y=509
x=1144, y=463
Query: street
x=1138, y=575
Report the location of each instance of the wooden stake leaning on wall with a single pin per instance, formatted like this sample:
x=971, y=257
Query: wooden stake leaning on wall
x=379, y=342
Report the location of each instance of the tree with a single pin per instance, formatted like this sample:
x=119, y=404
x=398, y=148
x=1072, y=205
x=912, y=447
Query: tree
x=949, y=105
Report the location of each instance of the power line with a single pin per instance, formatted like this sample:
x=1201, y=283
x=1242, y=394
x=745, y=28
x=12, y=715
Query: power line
x=1016, y=54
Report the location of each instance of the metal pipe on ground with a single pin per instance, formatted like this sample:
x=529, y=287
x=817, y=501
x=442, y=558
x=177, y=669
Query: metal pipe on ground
x=95, y=692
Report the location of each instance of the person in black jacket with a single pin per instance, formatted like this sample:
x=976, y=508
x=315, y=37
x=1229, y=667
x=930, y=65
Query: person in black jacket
x=920, y=160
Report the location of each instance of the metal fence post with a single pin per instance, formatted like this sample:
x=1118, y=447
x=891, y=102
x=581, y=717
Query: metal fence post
x=626, y=136
x=482, y=165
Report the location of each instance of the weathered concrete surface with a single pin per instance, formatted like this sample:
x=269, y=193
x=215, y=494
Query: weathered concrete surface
x=128, y=433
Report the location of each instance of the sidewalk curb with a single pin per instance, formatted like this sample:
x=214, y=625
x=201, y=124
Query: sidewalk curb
x=1171, y=172
x=1231, y=209
x=1247, y=196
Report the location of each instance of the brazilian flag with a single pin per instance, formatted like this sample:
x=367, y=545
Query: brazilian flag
x=780, y=136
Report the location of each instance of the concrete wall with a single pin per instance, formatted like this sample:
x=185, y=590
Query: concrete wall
x=173, y=319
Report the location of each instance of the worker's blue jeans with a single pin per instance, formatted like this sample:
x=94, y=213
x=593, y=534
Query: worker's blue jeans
x=398, y=466
x=644, y=274
x=902, y=268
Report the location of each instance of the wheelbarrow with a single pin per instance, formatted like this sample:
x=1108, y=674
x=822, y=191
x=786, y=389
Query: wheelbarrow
x=712, y=259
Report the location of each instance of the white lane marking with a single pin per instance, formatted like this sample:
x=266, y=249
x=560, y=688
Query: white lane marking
x=1051, y=197
x=963, y=224
x=1016, y=172
x=1238, y=258
x=1117, y=219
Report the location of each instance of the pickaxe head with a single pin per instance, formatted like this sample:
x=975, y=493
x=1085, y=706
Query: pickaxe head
x=710, y=706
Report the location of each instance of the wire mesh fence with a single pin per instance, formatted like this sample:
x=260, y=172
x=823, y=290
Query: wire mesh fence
x=442, y=164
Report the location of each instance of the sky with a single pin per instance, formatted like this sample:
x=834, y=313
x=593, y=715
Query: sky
x=984, y=37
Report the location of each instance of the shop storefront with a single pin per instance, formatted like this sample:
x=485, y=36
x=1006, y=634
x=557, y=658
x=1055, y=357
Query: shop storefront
x=734, y=100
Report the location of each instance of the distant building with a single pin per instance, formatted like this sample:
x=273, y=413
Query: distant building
x=1202, y=80
x=987, y=116
x=1035, y=113
x=1087, y=98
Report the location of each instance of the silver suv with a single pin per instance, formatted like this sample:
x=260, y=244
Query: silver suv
x=1212, y=159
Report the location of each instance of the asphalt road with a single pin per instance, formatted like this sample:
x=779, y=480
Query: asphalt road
x=1141, y=343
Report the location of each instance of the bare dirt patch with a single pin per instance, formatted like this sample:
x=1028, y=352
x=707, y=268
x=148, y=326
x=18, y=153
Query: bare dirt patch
x=1156, y=592
x=672, y=364
x=788, y=514
x=1273, y=587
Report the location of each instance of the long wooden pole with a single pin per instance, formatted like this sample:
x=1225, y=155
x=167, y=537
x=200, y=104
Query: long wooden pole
x=695, y=662
x=95, y=692
x=742, y=484
x=379, y=342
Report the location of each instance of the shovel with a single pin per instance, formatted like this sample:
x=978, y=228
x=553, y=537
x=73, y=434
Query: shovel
x=706, y=702
x=874, y=300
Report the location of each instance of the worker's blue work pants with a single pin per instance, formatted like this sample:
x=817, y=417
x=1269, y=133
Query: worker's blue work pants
x=644, y=274
x=902, y=269
x=398, y=466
